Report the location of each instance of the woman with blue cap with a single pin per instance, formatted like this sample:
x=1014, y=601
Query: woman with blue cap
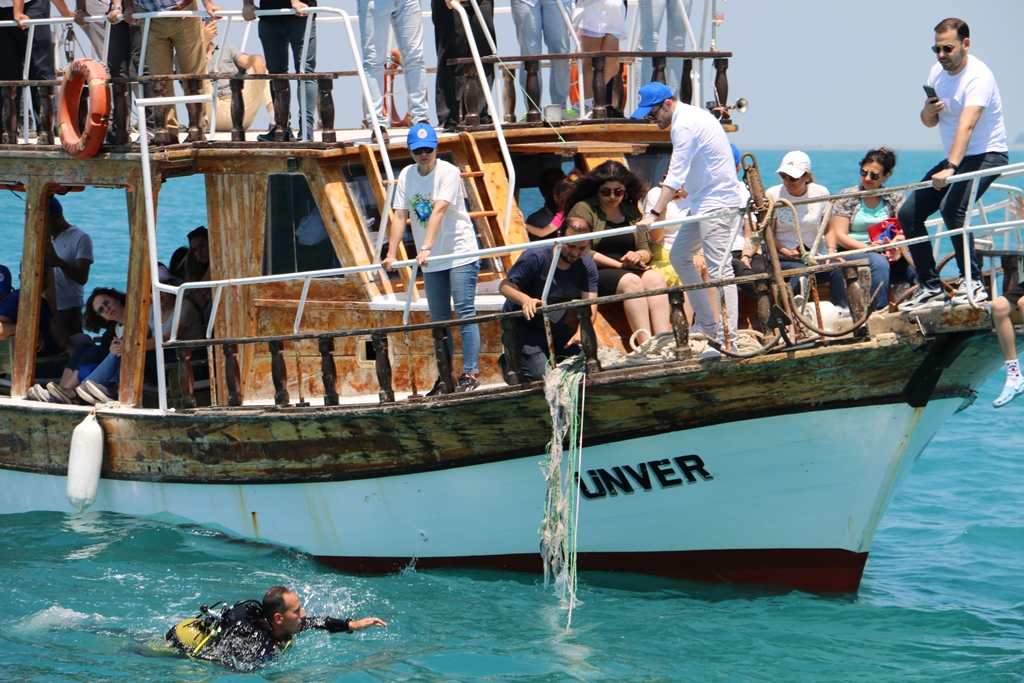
x=430, y=193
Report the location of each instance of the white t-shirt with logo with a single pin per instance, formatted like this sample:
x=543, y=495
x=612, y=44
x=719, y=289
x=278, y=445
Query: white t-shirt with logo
x=975, y=86
x=417, y=194
x=809, y=215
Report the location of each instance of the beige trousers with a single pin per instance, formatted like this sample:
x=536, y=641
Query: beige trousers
x=254, y=94
x=184, y=37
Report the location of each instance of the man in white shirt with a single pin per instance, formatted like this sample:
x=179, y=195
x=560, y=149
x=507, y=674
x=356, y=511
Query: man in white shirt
x=701, y=163
x=70, y=256
x=969, y=113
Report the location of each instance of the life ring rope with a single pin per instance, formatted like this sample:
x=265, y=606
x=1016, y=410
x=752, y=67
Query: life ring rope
x=80, y=74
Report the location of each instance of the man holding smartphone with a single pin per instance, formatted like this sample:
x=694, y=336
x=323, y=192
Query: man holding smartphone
x=963, y=101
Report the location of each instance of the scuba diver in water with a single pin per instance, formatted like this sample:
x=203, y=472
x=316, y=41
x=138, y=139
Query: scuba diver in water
x=250, y=633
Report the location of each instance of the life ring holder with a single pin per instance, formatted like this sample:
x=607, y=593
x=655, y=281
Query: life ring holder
x=85, y=143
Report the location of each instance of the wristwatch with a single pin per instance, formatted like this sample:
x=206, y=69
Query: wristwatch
x=654, y=213
x=426, y=247
x=952, y=166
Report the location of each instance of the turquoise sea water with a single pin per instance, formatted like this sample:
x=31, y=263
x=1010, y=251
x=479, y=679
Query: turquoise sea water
x=89, y=596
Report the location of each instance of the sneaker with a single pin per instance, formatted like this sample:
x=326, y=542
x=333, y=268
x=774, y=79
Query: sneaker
x=38, y=393
x=1010, y=392
x=450, y=126
x=466, y=383
x=978, y=292
x=924, y=297
x=59, y=394
x=438, y=388
x=89, y=399
x=101, y=393
x=269, y=135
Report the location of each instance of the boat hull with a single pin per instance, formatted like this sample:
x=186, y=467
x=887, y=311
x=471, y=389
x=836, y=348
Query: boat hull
x=787, y=500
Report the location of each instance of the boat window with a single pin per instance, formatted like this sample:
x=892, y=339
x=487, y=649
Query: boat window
x=296, y=238
x=652, y=165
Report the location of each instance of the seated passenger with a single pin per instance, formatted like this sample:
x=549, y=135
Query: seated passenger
x=575, y=278
x=1002, y=307
x=52, y=339
x=608, y=197
x=227, y=58
x=853, y=218
x=795, y=235
x=545, y=221
x=197, y=269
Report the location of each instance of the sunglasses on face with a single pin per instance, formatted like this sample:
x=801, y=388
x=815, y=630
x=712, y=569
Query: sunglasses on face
x=652, y=115
x=944, y=49
x=423, y=150
x=865, y=174
x=612, y=191
x=104, y=307
x=790, y=178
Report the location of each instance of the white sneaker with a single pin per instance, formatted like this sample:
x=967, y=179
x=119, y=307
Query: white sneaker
x=978, y=292
x=1010, y=392
x=924, y=297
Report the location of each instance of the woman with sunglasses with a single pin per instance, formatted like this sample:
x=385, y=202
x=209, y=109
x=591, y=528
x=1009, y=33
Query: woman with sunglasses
x=430, y=192
x=608, y=197
x=853, y=218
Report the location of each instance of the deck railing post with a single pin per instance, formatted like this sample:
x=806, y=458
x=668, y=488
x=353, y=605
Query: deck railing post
x=588, y=339
x=232, y=375
x=122, y=113
x=10, y=114
x=329, y=372
x=471, y=95
x=854, y=293
x=443, y=354
x=161, y=136
x=282, y=109
x=509, y=93
x=722, y=86
x=193, y=86
x=186, y=378
x=326, y=87
x=383, y=367
x=44, y=135
x=279, y=373
x=686, y=84
x=680, y=326
x=237, y=110
x=597, y=84
x=658, y=69
x=512, y=372
x=532, y=90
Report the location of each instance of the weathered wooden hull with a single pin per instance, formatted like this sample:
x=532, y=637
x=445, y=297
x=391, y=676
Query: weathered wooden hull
x=773, y=470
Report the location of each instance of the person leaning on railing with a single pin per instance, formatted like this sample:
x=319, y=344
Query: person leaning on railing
x=171, y=37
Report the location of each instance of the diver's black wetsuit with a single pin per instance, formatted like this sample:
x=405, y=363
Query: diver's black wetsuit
x=245, y=645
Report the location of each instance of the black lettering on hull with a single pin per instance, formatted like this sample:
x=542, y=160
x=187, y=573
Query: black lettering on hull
x=608, y=484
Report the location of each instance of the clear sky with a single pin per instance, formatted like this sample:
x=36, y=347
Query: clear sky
x=817, y=73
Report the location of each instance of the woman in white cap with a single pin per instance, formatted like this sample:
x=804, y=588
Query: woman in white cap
x=795, y=235
x=430, y=192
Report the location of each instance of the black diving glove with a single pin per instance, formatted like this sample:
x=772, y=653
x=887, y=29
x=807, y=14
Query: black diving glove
x=336, y=625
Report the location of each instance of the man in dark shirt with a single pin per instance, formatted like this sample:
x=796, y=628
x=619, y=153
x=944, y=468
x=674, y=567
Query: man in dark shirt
x=575, y=278
x=246, y=643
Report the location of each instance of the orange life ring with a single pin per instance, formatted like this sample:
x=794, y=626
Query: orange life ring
x=83, y=144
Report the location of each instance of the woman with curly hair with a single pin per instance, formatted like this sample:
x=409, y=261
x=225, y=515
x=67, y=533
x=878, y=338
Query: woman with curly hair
x=608, y=197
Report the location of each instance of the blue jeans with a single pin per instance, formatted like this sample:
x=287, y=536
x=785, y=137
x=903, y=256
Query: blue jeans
x=544, y=19
x=109, y=369
x=951, y=201
x=276, y=36
x=376, y=17
x=456, y=285
x=651, y=14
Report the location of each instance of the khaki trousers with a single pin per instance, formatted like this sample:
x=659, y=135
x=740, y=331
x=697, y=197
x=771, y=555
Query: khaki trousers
x=184, y=37
x=254, y=94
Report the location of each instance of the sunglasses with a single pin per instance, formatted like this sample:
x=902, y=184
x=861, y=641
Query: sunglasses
x=944, y=49
x=652, y=115
x=865, y=174
x=612, y=191
x=791, y=178
x=423, y=150
x=104, y=307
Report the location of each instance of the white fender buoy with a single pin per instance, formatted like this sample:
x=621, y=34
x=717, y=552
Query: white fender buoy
x=84, y=463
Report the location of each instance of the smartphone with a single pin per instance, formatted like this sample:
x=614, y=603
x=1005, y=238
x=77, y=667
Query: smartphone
x=929, y=92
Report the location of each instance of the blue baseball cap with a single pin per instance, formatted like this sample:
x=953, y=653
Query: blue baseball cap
x=736, y=156
x=651, y=95
x=55, y=206
x=5, y=281
x=421, y=135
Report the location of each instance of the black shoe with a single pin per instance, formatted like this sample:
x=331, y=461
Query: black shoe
x=438, y=388
x=450, y=126
x=486, y=120
x=269, y=136
x=383, y=134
